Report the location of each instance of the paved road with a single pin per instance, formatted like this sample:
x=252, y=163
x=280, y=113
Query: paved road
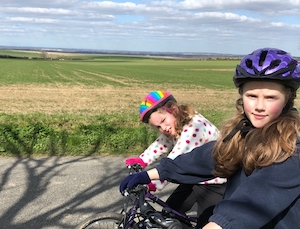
x=59, y=192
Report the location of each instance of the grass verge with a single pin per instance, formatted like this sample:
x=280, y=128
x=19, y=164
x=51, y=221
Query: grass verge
x=61, y=135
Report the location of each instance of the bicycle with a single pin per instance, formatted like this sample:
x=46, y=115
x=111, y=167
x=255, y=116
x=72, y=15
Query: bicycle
x=141, y=214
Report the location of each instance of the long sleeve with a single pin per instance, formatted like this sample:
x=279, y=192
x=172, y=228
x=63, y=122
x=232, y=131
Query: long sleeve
x=197, y=132
x=160, y=146
x=191, y=168
x=268, y=198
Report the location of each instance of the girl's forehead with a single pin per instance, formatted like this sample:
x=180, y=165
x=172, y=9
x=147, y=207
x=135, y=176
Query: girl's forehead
x=268, y=85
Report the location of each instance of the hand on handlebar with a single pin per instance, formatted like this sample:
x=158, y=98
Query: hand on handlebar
x=151, y=187
x=134, y=179
x=135, y=160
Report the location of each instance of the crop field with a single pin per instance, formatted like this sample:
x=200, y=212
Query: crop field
x=109, y=84
x=90, y=105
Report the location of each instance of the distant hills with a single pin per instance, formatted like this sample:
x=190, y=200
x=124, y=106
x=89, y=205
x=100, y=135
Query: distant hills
x=119, y=52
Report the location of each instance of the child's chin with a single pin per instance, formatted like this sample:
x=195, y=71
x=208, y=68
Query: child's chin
x=170, y=135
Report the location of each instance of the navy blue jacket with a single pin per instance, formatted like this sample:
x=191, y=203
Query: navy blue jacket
x=268, y=198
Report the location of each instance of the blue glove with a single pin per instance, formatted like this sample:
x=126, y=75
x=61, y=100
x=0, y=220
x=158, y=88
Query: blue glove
x=134, y=179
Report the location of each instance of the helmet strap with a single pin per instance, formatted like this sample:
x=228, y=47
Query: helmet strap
x=167, y=109
x=244, y=126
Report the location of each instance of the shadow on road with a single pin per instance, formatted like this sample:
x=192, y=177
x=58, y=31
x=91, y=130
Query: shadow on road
x=59, y=192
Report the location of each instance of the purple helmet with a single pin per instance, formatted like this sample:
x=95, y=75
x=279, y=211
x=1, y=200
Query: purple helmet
x=268, y=64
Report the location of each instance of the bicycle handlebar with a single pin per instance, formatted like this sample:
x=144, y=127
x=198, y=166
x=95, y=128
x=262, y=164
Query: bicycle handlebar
x=140, y=193
x=135, y=168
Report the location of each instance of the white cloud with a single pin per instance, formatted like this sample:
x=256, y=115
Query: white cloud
x=34, y=20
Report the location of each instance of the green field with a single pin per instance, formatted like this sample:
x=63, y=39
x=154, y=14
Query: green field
x=17, y=53
x=90, y=106
x=93, y=72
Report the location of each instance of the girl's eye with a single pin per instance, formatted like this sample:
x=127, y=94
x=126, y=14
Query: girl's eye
x=162, y=121
x=271, y=97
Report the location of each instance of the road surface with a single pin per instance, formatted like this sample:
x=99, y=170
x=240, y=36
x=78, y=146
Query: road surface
x=59, y=192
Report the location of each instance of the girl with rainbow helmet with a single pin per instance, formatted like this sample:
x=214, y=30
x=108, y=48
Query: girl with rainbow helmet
x=182, y=129
x=258, y=150
x=153, y=101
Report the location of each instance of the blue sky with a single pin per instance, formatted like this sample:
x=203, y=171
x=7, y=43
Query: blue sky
x=219, y=26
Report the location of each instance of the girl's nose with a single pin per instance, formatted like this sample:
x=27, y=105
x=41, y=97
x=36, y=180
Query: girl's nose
x=260, y=105
x=164, y=129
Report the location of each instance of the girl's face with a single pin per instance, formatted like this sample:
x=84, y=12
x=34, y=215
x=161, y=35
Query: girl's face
x=164, y=122
x=263, y=101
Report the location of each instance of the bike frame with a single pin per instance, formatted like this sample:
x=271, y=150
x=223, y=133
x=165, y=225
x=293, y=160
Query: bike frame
x=183, y=217
x=130, y=215
x=138, y=212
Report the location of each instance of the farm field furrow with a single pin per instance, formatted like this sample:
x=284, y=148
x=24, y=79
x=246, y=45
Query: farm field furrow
x=111, y=85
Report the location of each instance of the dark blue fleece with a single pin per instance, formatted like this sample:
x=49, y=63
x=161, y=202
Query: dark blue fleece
x=268, y=198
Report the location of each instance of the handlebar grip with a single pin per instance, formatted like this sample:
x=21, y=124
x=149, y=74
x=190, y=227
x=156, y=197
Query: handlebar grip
x=125, y=193
x=135, y=168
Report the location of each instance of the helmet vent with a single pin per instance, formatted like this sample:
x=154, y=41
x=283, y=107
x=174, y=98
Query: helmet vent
x=249, y=63
x=262, y=57
x=274, y=64
x=281, y=52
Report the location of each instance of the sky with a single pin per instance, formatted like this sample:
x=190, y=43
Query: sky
x=214, y=26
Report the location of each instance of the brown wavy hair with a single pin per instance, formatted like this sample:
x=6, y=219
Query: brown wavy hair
x=261, y=147
x=182, y=113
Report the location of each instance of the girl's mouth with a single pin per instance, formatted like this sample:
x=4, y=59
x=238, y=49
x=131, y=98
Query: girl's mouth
x=259, y=117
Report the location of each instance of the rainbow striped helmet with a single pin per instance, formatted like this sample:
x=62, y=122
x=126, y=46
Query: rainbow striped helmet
x=152, y=102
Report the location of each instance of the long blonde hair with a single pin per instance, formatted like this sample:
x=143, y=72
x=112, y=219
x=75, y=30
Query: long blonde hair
x=261, y=147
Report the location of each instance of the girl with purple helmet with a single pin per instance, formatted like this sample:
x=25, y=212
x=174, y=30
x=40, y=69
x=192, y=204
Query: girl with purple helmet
x=258, y=150
x=181, y=129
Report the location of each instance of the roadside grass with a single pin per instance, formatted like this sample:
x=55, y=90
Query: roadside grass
x=96, y=109
x=61, y=135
